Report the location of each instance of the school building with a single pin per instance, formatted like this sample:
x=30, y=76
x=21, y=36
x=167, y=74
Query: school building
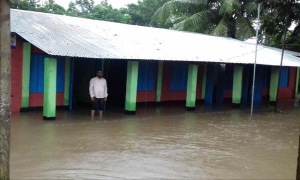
x=55, y=56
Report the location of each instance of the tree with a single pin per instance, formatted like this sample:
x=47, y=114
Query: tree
x=86, y=6
x=5, y=91
x=142, y=12
x=105, y=11
x=52, y=8
x=230, y=18
x=298, y=162
x=72, y=10
x=293, y=40
x=273, y=19
x=24, y=4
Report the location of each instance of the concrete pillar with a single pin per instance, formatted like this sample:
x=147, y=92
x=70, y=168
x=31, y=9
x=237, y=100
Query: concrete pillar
x=131, y=87
x=258, y=90
x=159, y=81
x=103, y=65
x=71, y=85
x=204, y=81
x=26, y=76
x=273, y=85
x=67, y=81
x=297, y=84
x=209, y=85
x=246, y=88
x=192, y=87
x=237, y=85
x=220, y=85
x=50, y=73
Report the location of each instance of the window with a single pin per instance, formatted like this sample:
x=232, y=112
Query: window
x=284, y=77
x=37, y=74
x=179, y=76
x=146, y=76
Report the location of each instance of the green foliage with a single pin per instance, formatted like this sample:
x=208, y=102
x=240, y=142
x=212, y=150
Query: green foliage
x=229, y=7
x=176, y=8
x=230, y=18
x=222, y=28
x=142, y=12
x=274, y=15
x=24, y=4
x=138, y=14
x=72, y=10
x=32, y=5
x=188, y=23
x=244, y=29
x=85, y=6
x=251, y=8
x=52, y=8
x=104, y=11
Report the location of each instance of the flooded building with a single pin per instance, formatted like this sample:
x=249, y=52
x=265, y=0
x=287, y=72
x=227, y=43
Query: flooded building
x=54, y=57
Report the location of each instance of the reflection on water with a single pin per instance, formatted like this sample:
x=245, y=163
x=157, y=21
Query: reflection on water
x=156, y=143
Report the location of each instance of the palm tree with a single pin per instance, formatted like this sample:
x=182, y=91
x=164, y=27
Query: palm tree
x=230, y=18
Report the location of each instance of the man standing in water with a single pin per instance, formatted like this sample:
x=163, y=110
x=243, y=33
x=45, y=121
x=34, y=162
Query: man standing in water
x=98, y=92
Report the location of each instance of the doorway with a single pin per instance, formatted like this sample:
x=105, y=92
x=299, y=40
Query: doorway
x=115, y=73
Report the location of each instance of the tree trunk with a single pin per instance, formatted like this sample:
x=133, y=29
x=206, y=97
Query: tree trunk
x=298, y=164
x=5, y=92
x=231, y=29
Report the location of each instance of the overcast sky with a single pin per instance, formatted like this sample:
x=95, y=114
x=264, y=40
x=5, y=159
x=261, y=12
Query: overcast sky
x=114, y=3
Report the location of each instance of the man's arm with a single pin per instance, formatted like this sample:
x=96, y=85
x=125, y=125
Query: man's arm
x=92, y=90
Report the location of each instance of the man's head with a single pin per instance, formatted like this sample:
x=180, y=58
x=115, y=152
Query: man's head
x=99, y=74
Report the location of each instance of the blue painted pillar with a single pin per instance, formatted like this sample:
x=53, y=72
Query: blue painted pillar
x=209, y=85
x=221, y=85
x=71, y=85
x=258, y=90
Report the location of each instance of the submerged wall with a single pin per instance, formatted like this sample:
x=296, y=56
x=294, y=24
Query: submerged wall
x=16, y=75
x=35, y=99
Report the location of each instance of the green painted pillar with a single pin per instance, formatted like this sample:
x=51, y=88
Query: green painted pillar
x=274, y=85
x=131, y=87
x=204, y=81
x=49, y=109
x=26, y=75
x=237, y=85
x=191, y=87
x=67, y=81
x=159, y=81
x=297, y=83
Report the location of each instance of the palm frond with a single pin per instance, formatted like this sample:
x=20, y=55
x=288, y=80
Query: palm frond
x=222, y=28
x=244, y=28
x=173, y=20
x=229, y=6
x=251, y=7
x=177, y=7
x=197, y=22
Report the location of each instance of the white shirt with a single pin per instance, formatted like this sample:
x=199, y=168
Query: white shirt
x=98, y=88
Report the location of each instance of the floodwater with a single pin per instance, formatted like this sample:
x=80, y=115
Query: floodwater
x=157, y=143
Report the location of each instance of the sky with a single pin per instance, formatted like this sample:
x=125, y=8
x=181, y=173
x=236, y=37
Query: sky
x=114, y=3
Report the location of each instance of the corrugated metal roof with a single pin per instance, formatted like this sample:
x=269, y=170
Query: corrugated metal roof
x=77, y=37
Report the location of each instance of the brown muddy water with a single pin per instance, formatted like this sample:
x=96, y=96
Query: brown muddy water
x=162, y=143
